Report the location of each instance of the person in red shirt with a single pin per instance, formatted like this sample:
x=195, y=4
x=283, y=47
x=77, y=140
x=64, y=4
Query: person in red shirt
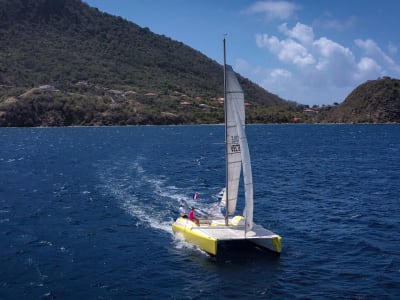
x=193, y=218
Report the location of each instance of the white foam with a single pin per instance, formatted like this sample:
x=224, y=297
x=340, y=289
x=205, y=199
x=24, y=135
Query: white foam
x=47, y=243
x=180, y=243
x=131, y=185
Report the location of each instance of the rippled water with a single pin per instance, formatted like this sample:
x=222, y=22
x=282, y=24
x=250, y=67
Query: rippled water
x=86, y=212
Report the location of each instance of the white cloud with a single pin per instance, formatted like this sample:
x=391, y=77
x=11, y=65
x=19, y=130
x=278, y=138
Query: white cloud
x=367, y=66
x=317, y=68
x=241, y=65
x=340, y=25
x=296, y=53
x=282, y=10
x=302, y=33
x=264, y=41
x=278, y=74
x=280, y=82
x=328, y=48
x=372, y=49
x=336, y=64
x=288, y=50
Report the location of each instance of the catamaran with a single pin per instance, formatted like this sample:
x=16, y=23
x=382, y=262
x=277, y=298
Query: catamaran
x=212, y=232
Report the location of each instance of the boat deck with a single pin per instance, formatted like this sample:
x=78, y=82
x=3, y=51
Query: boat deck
x=222, y=232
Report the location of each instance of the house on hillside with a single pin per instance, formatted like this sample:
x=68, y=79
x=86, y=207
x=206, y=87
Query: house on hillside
x=309, y=111
x=296, y=119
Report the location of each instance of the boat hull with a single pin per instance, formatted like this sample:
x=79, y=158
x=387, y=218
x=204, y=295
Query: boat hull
x=213, y=233
x=191, y=233
x=265, y=239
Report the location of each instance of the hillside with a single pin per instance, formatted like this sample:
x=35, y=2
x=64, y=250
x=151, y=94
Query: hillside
x=375, y=101
x=98, y=69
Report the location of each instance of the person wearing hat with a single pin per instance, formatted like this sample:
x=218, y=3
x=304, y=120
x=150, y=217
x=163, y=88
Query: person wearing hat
x=182, y=211
x=193, y=218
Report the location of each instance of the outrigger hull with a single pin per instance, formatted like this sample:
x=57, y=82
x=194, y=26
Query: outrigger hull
x=212, y=233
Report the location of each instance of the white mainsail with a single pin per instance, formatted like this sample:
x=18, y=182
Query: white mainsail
x=234, y=95
x=238, y=154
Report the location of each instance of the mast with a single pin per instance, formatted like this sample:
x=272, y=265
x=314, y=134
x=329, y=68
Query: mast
x=226, y=140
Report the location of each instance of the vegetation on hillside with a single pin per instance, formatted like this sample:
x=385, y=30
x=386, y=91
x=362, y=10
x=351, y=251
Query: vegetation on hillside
x=84, y=54
x=375, y=101
x=64, y=63
x=87, y=105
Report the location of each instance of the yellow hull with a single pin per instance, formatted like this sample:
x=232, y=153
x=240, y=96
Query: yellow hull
x=191, y=234
x=209, y=234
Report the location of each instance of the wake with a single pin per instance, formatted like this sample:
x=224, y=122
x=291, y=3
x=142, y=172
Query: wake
x=148, y=197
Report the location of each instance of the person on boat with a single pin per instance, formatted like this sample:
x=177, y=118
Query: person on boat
x=182, y=211
x=193, y=218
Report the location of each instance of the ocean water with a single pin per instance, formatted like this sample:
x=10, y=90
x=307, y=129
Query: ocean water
x=86, y=213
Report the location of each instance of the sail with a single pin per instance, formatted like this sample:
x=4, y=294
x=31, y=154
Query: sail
x=247, y=174
x=234, y=105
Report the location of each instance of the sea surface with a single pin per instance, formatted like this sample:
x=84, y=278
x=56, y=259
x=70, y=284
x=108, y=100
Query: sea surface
x=86, y=213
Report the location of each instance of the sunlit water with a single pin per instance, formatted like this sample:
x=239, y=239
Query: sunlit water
x=86, y=213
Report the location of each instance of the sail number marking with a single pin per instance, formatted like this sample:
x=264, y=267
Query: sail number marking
x=235, y=146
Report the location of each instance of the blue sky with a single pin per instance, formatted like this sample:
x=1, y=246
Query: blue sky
x=308, y=51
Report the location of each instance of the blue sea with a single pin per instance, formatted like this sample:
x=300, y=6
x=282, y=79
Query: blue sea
x=86, y=213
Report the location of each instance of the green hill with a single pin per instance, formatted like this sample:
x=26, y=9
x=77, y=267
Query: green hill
x=375, y=101
x=98, y=69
